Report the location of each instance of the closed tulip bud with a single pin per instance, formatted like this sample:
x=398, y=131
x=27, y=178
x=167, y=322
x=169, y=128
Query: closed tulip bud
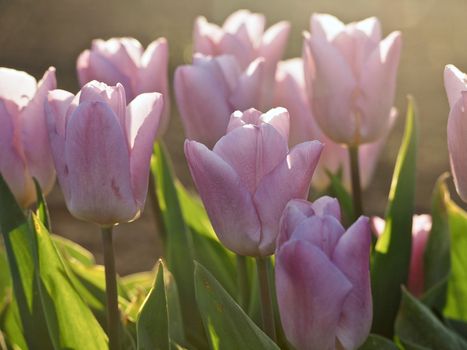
x=124, y=61
x=291, y=94
x=455, y=83
x=249, y=176
x=322, y=277
x=24, y=143
x=351, y=76
x=421, y=228
x=210, y=89
x=244, y=37
x=102, y=149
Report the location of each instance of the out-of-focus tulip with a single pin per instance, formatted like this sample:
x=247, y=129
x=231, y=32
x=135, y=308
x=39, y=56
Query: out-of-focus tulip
x=322, y=276
x=351, y=74
x=24, y=143
x=244, y=37
x=291, y=94
x=102, y=149
x=210, y=89
x=421, y=228
x=124, y=61
x=455, y=83
x=247, y=179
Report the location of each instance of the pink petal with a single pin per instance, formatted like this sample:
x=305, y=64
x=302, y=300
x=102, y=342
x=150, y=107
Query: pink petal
x=243, y=52
x=247, y=26
x=455, y=82
x=279, y=118
x=99, y=166
x=371, y=27
x=205, y=37
x=421, y=228
x=296, y=211
x=83, y=68
x=310, y=294
x=351, y=256
x=273, y=45
x=277, y=188
x=326, y=27
x=227, y=201
x=239, y=119
x=142, y=122
x=247, y=93
x=327, y=206
x=17, y=86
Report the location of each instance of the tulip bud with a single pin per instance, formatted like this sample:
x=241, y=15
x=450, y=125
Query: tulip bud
x=210, y=89
x=322, y=277
x=291, y=94
x=123, y=60
x=23, y=136
x=249, y=176
x=421, y=228
x=351, y=76
x=455, y=83
x=102, y=149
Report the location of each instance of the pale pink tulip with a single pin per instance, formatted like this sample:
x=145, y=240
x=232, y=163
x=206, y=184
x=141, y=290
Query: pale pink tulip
x=249, y=176
x=244, y=37
x=210, y=89
x=351, y=75
x=291, y=94
x=102, y=149
x=455, y=83
x=23, y=136
x=124, y=61
x=421, y=228
x=322, y=277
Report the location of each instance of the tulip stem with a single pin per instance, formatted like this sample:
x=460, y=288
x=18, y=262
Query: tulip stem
x=242, y=280
x=356, y=183
x=267, y=312
x=113, y=315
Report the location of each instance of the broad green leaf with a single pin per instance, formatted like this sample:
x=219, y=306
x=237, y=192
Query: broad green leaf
x=392, y=252
x=416, y=324
x=70, y=322
x=226, y=324
x=159, y=324
x=137, y=283
x=376, y=342
x=10, y=324
x=71, y=250
x=42, y=211
x=337, y=189
x=19, y=240
x=5, y=278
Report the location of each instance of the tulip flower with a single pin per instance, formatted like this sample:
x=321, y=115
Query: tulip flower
x=291, y=94
x=23, y=136
x=124, y=61
x=210, y=89
x=322, y=277
x=246, y=180
x=351, y=76
x=455, y=83
x=102, y=149
x=244, y=37
x=421, y=228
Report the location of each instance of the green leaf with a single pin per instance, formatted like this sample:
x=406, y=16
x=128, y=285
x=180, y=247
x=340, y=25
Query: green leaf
x=417, y=325
x=226, y=324
x=5, y=278
x=137, y=283
x=337, y=189
x=376, y=342
x=392, y=252
x=42, y=211
x=10, y=324
x=159, y=324
x=73, y=251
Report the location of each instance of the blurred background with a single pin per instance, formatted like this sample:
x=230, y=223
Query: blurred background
x=37, y=34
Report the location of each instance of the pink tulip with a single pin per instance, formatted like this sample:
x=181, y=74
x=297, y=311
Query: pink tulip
x=455, y=83
x=102, y=149
x=322, y=277
x=23, y=136
x=210, y=89
x=124, y=61
x=244, y=37
x=249, y=176
x=421, y=228
x=291, y=94
x=351, y=75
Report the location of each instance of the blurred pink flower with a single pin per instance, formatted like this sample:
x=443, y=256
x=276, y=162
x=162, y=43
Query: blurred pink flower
x=23, y=136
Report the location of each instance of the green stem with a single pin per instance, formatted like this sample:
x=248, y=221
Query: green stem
x=242, y=281
x=356, y=183
x=113, y=316
x=267, y=312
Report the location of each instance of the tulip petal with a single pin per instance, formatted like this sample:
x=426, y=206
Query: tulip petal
x=228, y=202
x=239, y=119
x=310, y=294
x=455, y=82
x=247, y=26
x=277, y=188
x=325, y=26
x=247, y=93
x=296, y=211
x=273, y=46
x=355, y=321
x=83, y=68
x=17, y=86
x=143, y=118
x=421, y=228
x=35, y=136
x=371, y=27
x=205, y=37
x=279, y=118
x=99, y=166
x=123, y=53
x=327, y=206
